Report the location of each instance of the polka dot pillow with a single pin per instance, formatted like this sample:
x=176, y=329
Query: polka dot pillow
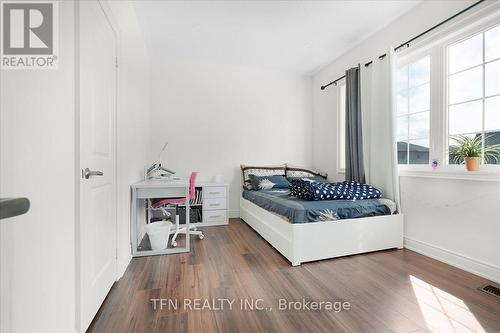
x=347, y=190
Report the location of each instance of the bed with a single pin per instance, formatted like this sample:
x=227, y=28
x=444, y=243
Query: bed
x=304, y=231
x=295, y=210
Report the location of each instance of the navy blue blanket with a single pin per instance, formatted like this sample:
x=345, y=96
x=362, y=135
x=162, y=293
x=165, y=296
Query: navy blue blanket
x=348, y=190
x=297, y=210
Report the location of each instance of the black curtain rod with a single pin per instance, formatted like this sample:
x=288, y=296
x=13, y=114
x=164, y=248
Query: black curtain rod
x=407, y=43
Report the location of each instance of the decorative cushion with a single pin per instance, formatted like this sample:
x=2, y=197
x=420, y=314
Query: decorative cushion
x=271, y=170
x=316, y=179
x=295, y=171
x=348, y=190
x=268, y=182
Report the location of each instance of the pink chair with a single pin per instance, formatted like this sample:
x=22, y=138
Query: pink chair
x=177, y=201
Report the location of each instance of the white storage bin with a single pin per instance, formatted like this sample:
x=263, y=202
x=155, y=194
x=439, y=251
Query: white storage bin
x=158, y=233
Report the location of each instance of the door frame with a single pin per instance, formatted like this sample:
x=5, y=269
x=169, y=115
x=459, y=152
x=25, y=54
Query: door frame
x=103, y=4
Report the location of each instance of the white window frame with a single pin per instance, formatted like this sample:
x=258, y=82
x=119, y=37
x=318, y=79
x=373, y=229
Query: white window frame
x=436, y=46
x=482, y=98
x=416, y=56
x=341, y=100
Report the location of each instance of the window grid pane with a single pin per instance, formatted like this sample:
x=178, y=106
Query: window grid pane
x=413, y=105
x=465, y=118
x=402, y=102
x=492, y=113
x=492, y=78
x=492, y=138
x=418, y=151
x=492, y=44
x=474, y=107
x=419, y=72
x=419, y=125
x=465, y=54
x=466, y=86
x=419, y=99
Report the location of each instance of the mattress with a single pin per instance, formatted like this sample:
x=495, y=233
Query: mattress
x=303, y=211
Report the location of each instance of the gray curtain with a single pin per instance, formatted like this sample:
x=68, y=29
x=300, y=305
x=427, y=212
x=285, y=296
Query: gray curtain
x=354, y=164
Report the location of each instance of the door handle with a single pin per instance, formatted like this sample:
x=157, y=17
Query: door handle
x=87, y=173
x=10, y=207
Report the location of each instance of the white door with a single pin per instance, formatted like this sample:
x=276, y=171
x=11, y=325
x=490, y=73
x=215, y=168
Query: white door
x=97, y=231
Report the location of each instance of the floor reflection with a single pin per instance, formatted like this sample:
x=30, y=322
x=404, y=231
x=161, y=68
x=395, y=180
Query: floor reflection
x=442, y=311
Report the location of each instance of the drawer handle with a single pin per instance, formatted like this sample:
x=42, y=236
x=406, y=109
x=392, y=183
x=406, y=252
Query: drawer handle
x=214, y=216
x=214, y=205
x=214, y=192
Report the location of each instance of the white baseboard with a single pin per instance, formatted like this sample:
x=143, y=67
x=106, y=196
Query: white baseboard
x=234, y=213
x=122, y=266
x=468, y=264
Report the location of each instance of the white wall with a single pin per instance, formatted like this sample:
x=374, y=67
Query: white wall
x=216, y=117
x=133, y=119
x=456, y=220
x=37, y=161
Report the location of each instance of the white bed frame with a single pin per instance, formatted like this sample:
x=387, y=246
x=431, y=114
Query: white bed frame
x=303, y=242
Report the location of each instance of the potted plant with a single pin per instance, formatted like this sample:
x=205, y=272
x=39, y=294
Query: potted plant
x=470, y=149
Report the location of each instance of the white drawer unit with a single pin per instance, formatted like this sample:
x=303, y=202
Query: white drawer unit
x=214, y=192
x=215, y=207
x=215, y=216
x=214, y=203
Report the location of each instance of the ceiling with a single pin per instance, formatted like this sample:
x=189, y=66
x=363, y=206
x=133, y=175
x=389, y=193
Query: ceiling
x=300, y=36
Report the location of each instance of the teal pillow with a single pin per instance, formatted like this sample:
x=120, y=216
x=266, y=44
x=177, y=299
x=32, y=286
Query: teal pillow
x=268, y=182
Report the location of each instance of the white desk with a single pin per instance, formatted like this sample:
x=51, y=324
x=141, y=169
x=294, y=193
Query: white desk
x=158, y=189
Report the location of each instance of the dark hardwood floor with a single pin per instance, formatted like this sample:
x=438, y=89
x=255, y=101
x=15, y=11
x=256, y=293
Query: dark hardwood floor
x=388, y=291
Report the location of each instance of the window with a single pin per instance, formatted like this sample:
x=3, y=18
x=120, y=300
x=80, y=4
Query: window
x=413, y=112
x=341, y=120
x=448, y=86
x=473, y=80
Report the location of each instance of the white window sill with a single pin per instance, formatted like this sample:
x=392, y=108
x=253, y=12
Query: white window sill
x=490, y=173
